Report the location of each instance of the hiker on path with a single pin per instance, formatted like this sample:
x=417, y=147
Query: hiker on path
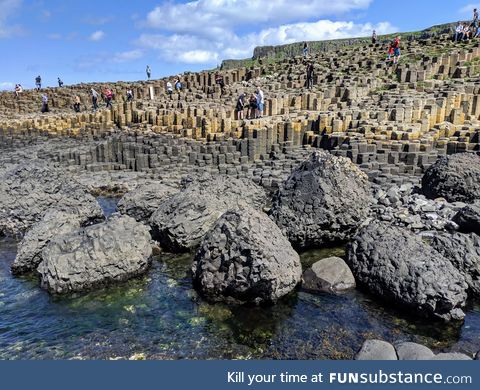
x=44, y=103
x=260, y=102
x=108, y=97
x=310, y=74
x=129, y=95
x=149, y=72
x=60, y=82
x=374, y=37
x=94, y=99
x=240, y=106
x=396, y=50
x=38, y=83
x=305, y=49
x=76, y=104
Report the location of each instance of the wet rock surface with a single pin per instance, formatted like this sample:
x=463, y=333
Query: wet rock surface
x=413, y=351
x=324, y=200
x=245, y=258
x=328, y=275
x=398, y=266
x=376, y=350
x=95, y=256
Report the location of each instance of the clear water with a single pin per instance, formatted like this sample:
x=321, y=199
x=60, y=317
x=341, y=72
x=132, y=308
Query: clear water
x=159, y=316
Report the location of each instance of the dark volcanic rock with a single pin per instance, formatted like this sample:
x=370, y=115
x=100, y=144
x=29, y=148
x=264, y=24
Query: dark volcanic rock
x=53, y=224
x=376, y=350
x=398, y=266
x=141, y=202
x=328, y=275
x=184, y=218
x=113, y=251
x=468, y=219
x=324, y=200
x=455, y=178
x=245, y=258
x=463, y=251
x=29, y=190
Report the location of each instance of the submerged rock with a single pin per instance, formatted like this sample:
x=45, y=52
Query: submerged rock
x=413, y=351
x=245, y=258
x=463, y=251
x=29, y=190
x=455, y=178
x=113, y=251
x=376, y=350
x=184, y=218
x=53, y=224
x=141, y=202
x=324, y=200
x=329, y=275
x=398, y=266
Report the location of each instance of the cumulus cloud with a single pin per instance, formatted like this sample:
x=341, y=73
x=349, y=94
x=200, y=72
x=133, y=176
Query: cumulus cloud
x=7, y=9
x=196, y=49
x=97, y=36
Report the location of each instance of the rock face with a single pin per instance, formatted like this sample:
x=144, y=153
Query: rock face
x=468, y=219
x=29, y=190
x=413, y=351
x=324, y=200
x=376, y=350
x=53, y=224
x=463, y=251
x=329, y=275
x=245, y=258
x=184, y=218
x=141, y=202
x=398, y=266
x=113, y=251
x=455, y=178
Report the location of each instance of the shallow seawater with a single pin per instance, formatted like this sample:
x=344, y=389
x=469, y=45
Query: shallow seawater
x=159, y=316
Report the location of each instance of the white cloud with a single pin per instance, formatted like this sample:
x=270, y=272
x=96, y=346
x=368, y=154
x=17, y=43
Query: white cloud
x=468, y=9
x=207, y=50
x=97, y=36
x=54, y=36
x=7, y=9
x=128, y=56
x=6, y=86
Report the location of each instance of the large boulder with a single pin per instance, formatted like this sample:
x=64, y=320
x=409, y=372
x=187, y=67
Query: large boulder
x=330, y=275
x=141, y=202
x=113, y=251
x=468, y=219
x=398, y=266
x=413, y=351
x=455, y=178
x=245, y=258
x=184, y=218
x=324, y=200
x=53, y=224
x=463, y=251
x=29, y=190
x=376, y=350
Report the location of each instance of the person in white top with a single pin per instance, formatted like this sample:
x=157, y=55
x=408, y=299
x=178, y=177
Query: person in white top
x=260, y=102
x=169, y=87
x=459, y=32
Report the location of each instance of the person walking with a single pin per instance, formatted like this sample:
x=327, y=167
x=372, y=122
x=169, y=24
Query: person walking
x=240, y=107
x=310, y=74
x=44, y=103
x=169, y=88
x=396, y=50
x=108, y=97
x=149, y=72
x=38, y=82
x=94, y=99
x=178, y=85
x=76, y=104
x=374, y=37
x=60, y=82
x=305, y=49
x=260, y=102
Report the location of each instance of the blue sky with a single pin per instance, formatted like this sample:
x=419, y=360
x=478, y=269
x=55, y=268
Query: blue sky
x=110, y=40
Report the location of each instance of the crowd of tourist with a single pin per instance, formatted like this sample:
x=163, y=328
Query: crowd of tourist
x=467, y=31
x=254, y=105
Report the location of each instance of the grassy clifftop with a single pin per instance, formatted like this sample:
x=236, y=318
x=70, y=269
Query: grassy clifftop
x=275, y=53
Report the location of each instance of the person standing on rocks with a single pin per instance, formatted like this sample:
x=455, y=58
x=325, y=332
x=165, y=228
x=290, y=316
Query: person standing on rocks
x=169, y=88
x=252, y=106
x=178, y=85
x=240, y=106
x=149, y=72
x=60, y=82
x=374, y=37
x=108, y=97
x=129, y=95
x=76, y=105
x=44, y=103
x=94, y=99
x=310, y=74
x=18, y=90
x=396, y=50
x=260, y=102
x=38, y=83
x=305, y=49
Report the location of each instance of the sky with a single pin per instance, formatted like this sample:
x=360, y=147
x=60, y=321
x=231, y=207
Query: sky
x=111, y=40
